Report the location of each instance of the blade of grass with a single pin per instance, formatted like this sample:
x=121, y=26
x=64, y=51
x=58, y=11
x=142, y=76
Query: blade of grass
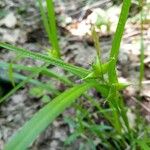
x=28, y=133
x=52, y=26
x=112, y=75
x=81, y=72
x=48, y=87
x=44, y=71
x=45, y=20
x=26, y=80
x=21, y=84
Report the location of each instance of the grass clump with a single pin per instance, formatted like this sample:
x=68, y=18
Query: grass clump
x=117, y=132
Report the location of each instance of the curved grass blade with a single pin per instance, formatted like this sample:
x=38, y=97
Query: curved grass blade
x=21, y=84
x=26, y=80
x=28, y=133
x=73, y=69
x=44, y=71
x=48, y=87
x=117, y=41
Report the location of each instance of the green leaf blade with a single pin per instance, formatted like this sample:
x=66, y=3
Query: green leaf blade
x=52, y=26
x=81, y=72
x=24, y=137
x=117, y=41
x=45, y=20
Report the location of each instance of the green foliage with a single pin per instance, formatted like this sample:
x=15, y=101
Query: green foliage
x=50, y=26
x=44, y=71
x=81, y=72
x=144, y=144
x=115, y=132
x=25, y=80
x=117, y=41
x=11, y=76
x=37, y=92
x=44, y=117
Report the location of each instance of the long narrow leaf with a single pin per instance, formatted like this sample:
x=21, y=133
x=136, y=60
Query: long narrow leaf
x=44, y=71
x=45, y=20
x=21, y=84
x=117, y=41
x=74, y=69
x=52, y=26
x=26, y=80
x=28, y=133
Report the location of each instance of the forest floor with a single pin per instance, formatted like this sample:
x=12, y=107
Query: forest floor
x=20, y=24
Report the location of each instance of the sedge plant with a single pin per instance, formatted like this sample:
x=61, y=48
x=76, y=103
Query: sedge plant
x=102, y=77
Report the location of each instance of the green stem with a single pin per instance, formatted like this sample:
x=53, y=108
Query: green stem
x=52, y=23
x=117, y=41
